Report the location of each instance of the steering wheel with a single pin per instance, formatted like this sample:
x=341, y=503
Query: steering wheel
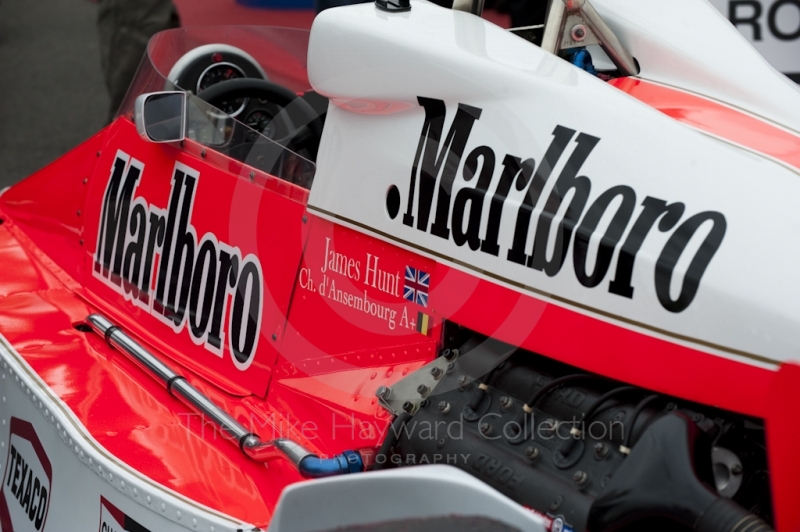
x=307, y=129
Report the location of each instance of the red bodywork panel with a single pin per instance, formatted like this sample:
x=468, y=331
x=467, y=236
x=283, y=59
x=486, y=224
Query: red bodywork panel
x=717, y=119
x=334, y=325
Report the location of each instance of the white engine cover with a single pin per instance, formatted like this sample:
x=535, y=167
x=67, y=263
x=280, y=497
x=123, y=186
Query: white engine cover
x=426, y=104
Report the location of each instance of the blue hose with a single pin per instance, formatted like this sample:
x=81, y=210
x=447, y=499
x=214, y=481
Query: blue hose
x=581, y=58
x=315, y=467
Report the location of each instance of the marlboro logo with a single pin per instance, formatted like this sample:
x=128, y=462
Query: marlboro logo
x=155, y=258
x=479, y=216
x=112, y=519
x=27, y=481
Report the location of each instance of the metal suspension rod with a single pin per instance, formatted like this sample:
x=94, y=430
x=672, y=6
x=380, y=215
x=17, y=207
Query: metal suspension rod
x=309, y=465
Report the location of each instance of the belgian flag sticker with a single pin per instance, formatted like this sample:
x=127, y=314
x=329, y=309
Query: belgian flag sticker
x=423, y=323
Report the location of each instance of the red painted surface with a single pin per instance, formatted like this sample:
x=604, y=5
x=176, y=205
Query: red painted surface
x=717, y=119
x=784, y=461
x=320, y=357
x=326, y=372
x=335, y=354
x=55, y=219
x=267, y=224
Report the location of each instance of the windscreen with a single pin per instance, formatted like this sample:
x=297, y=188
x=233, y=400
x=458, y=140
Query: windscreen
x=192, y=59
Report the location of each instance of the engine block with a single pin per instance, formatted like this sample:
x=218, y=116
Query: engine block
x=559, y=441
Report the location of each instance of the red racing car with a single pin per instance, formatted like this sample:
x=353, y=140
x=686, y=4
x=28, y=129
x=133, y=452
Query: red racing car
x=412, y=271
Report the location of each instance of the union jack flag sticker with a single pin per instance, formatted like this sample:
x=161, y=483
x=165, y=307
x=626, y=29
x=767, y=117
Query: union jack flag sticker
x=416, y=286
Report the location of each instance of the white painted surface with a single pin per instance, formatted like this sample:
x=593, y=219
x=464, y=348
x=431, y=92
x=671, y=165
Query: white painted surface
x=374, y=65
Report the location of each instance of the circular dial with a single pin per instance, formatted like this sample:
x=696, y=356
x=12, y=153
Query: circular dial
x=261, y=121
x=222, y=72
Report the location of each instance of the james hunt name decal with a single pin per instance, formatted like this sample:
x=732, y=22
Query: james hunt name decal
x=154, y=258
x=353, y=282
x=25, y=495
x=460, y=218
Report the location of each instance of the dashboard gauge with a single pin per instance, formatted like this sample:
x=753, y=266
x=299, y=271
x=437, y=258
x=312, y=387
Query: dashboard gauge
x=261, y=121
x=222, y=72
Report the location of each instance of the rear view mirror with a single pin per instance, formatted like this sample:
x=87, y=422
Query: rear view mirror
x=161, y=116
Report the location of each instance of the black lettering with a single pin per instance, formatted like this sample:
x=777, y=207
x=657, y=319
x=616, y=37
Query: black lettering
x=134, y=251
x=163, y=266
x=473, y=197
x=206, y=262
x=156, y=238
x=737, y=18
x=672, y=252
x=42, y=508
x=249, y=277
x=608, y=243
x=184, y=256
x=772, y=20
x=568, y=180
x=183, y=280
x=653, y=209
x=437, y=156
x=227, y=276
x=511, y=167
x=21, y=486
x=114, y=221
x=34, y=499
x=26, y=496
x=561, y=137
x=523, y=171
x=11, y=466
